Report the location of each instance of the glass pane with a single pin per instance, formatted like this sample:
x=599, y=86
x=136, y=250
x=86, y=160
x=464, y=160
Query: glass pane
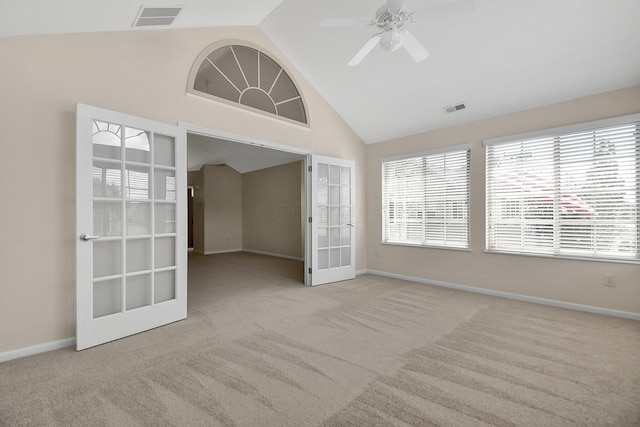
x=345, y=216
x=323, y=173
x=165, y=185
x=334, y=258
x=334, y=215
x=107, y=181
x=107, y=140
x=345, y=256
x=322, y=219
x=345, y=195
x=345, y=236
x=334, y=174
x=334, y=194
x=334, y=237
x=323, y=259
x=107, y=219
x=137, y=147
x=323, y=237
x=107, y=297
x=323, y=194
x=345, y=175
x=165, y=215
x=165, y=252
x=164, y=152
x=165, y=286
x=138, y=218
x=138, y=291
x=107, y=258
x=136, y=182
x=138, y=255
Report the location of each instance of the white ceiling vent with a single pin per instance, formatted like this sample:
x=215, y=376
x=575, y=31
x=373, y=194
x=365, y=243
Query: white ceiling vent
x=150, y=16
x=454, y=108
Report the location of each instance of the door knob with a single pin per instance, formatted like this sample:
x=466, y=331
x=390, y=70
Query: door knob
x=86, y=237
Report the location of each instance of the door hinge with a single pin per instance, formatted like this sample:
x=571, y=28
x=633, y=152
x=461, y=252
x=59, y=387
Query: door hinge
x=309, y=270
x=310, y=220
x=309, y=168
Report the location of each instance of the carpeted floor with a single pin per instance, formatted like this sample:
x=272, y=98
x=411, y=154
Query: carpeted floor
x=260, y=349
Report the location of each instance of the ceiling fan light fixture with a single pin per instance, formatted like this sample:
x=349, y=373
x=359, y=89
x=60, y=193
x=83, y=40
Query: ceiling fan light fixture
x=391, y=39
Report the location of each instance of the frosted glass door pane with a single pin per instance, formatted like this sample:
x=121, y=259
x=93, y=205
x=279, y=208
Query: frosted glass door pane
x=323, y=259
x=107, y=218
x=138, y=218
x=107, y=258
x=165, y=215
x=165, y=252
x=164, y=150
x=345, y=236
x=165, y=286
x=334, y=258
x=334, y=216
x=136, y=182
x=334, y=194
x=334, y=237
x=345, y=175
x=137, y=147
x=107, y=140
x=345, y=195
x=138, y=291
x=323, y=237
x=165, y=185
x=107, y=180
x=107, y=297
x=334, y=174
x=138, y=255
x=346, y=256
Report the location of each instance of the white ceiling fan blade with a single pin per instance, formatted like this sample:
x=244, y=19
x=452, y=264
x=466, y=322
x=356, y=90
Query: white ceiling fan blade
x=344, y=22
x=414, y=47
x=364, y=50
x=394, y=4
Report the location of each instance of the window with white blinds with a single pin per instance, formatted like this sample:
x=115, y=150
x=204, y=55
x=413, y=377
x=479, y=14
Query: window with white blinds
x=425, y=198
x=571, y=191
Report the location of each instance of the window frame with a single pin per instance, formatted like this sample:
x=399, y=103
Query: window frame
x=558, y=134
x=421, y=214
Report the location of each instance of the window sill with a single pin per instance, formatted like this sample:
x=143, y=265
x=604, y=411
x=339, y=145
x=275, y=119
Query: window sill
x=566, y=257
x=415, y=245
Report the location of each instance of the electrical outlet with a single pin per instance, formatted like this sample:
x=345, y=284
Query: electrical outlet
x=609, y=280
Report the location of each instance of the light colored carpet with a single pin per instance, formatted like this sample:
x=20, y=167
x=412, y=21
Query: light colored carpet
x=260, y=349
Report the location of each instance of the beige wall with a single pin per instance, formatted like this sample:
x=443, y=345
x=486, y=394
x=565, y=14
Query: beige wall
x=142, y=73
x=271, y=210
x=564, y=280
x=222, y=196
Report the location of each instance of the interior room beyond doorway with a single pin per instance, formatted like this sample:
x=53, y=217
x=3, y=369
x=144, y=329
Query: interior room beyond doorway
x=246, y=198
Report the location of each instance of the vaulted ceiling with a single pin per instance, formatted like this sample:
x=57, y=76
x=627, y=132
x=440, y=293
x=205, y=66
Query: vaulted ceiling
x=495, y=56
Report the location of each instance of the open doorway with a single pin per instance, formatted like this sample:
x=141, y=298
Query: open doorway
x=246, y=199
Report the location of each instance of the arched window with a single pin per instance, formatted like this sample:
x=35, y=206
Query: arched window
x=245, y=76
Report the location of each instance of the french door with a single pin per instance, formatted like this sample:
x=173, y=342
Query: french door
x=332, y=220
x=131, y=225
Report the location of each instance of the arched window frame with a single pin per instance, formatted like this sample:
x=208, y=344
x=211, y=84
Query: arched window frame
x=228, y=43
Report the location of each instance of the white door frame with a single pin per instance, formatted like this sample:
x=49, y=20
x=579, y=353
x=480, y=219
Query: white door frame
x=241, y=139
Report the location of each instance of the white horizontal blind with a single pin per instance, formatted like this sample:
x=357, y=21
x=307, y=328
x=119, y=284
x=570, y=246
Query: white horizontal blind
x=425, y=199
x=572, y=194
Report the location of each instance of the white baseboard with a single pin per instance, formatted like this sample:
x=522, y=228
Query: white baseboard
x=35, y=349
x=519, y=297
x=273, y=254
x=224, y=251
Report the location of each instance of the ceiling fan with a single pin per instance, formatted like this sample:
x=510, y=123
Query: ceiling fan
x=392, y=20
